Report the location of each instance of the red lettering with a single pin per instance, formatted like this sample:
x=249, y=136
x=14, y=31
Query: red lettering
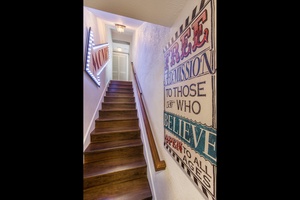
x=185, y=46
x=94, y=63
x=101, y=57
x=97, y=60
x=167, y=54
x=106, y=54
x=176, y=144
x=175, y=54
x=197, y=26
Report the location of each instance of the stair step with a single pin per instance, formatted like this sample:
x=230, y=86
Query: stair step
x=119, y=94
x=111, y=89
x=119, y=99
x=111, y=150
x=125, y=122
x=97, y=147
x=114, y=170
x=117, y=113
x=120, y=82
x=115, y=133
x=120, y=86
x=109, y=105
x=115, y=129
x=137, y=189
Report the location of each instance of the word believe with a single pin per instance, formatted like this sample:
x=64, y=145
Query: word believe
x=200, y=138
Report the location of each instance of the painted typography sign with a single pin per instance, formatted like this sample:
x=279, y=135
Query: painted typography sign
x=96, y=59
x=190, y=99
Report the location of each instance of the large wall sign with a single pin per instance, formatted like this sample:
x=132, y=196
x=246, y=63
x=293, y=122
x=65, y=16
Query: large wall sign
x=190, y=130
x=97, y=57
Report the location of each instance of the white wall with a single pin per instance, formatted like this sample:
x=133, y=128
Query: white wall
x=92, y=94
x=149, y=41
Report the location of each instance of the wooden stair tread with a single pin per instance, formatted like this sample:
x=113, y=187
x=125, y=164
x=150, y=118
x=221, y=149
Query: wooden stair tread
x=115, y=129
x=120, y=82
x=120, y=97
x=119, y=94
x=137, y=189
x=118, y=109
x=121, y=91
x=94, y=147
x=113, y=165
x=120, y=103
x=115, y=118
x=120, y=86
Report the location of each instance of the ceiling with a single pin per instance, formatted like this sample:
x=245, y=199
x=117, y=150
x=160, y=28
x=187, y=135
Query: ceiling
x=132, y=13
x=112, y=19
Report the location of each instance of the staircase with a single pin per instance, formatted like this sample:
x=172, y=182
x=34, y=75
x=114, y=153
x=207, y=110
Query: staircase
x=114, y=165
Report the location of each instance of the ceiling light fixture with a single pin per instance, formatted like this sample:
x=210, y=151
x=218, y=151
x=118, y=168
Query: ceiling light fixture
x=120, y=28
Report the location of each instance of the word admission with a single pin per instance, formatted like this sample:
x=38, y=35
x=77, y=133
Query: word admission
x=196, y=66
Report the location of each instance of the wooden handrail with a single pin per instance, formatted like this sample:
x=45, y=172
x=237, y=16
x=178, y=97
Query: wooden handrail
x=158, y=164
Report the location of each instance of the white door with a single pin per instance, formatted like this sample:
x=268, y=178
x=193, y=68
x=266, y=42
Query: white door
x=120, y=66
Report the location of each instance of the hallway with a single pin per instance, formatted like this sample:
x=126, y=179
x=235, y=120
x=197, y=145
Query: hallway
x=175, y=66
